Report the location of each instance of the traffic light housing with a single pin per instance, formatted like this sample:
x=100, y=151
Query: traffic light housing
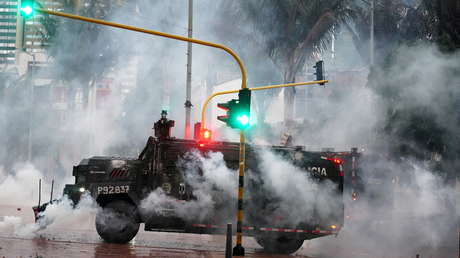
x=238, y=110
x=319, y=67
x=205, y=137
x=242, y=113
x=27, y=8
x=196, y=131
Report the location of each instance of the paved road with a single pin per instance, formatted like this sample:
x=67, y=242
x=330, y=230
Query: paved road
x=40, y=247
x=79, y=239
x=76, y=237
x=147, y=244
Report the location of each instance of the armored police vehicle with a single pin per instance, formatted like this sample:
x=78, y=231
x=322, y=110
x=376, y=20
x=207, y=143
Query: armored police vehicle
x=121, y=187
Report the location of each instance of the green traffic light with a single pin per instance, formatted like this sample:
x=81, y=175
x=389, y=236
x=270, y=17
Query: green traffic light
x=243, y=120
x=243, y=109
x=27, y=9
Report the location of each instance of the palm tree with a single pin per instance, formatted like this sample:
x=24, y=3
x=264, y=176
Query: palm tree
x=290, y=32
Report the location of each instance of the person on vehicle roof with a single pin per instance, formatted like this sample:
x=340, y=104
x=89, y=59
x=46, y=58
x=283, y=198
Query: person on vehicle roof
x=163, y=126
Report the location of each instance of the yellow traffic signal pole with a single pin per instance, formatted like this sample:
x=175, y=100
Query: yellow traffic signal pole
x=238, y=250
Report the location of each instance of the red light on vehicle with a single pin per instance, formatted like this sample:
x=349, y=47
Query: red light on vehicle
x=201, y=145
x=336, y=161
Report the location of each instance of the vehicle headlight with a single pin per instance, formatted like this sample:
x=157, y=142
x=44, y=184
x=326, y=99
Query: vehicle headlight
x=82, y=189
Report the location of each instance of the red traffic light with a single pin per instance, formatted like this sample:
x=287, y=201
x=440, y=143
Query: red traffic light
x=206, y=135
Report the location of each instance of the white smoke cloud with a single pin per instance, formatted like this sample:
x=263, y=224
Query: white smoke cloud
x=20, y=189
x=298, y=196
x=352, y=119
x=59, y=215
x=212, y=184
x=290, y=191
x=159, y=203
x=408, y=207
x=17, y=226
x=21, y=186
x=394, y=219
x=63, y=214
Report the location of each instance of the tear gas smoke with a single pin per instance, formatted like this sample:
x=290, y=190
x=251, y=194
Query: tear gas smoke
x=21, y=186
x=211, y=183
x=63, y=214
x=61, y=131
x=20, y=189
x=396, y=219
x=298, y=197
x=59, y=215
x=410, y=216
x=295, y=195
x=19, y=228
x=406, y=206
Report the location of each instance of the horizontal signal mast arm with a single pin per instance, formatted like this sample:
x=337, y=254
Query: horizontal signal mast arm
x=203, y=110
x=288, y=85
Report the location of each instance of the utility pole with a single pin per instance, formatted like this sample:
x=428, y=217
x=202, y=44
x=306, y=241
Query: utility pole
x=30, y=69
x=333, y=45
x=91, y=116
x=371, y=48
x=188, y=97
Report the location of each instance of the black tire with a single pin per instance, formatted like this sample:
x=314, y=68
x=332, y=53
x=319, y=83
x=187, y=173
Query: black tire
x=279, y=244
x=117, y=222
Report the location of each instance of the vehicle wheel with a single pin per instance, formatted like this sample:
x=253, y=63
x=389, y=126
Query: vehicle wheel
x=279, y=244
x=117, y=222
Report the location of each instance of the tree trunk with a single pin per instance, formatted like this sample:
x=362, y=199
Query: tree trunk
x=289, y=97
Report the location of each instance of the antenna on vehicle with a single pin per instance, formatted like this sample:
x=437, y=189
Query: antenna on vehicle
x=52, y=186
x=39, y=191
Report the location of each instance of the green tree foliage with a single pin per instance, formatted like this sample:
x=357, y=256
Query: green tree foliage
x=410, y=127
x=410, y=22
x=443, y=16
